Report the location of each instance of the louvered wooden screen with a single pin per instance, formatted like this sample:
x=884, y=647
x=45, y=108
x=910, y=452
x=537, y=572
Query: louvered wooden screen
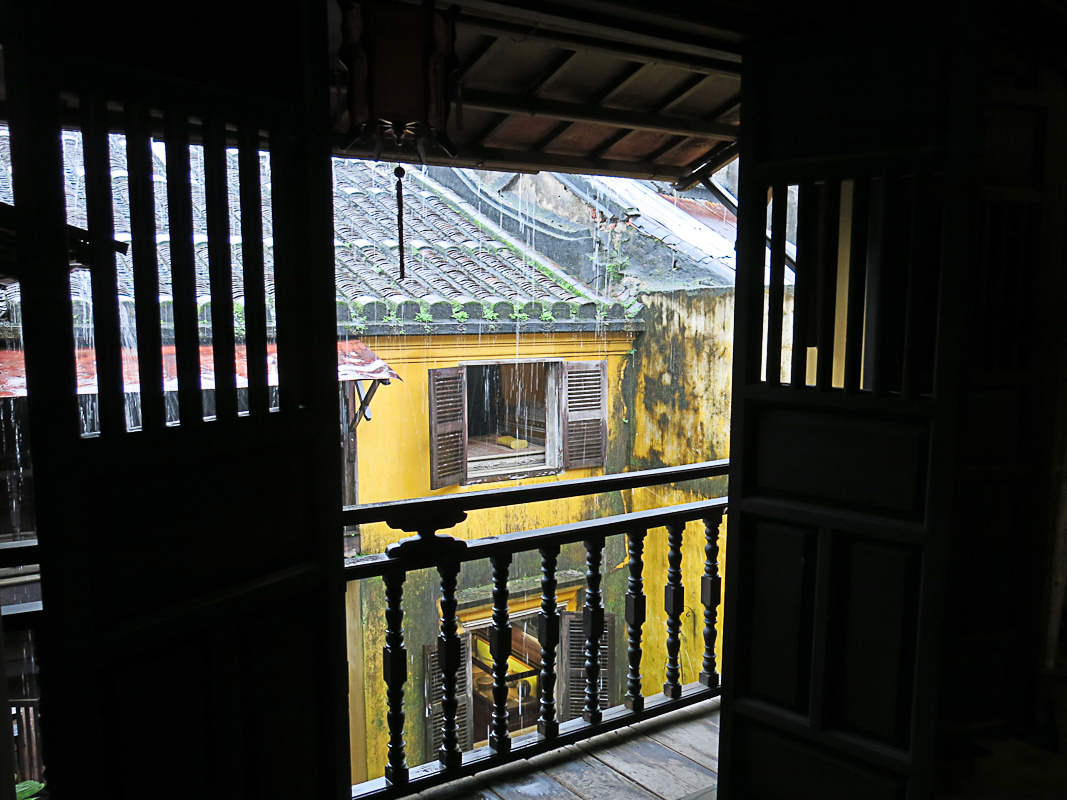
x=435, y=715
x=585, y=424
x=448, y=426
x=572, y=661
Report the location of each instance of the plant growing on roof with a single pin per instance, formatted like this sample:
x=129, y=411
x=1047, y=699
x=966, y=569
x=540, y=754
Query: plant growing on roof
x=517, y=313
x=546, y=316
x=391, y=318
x=458, y=313
x=423, y=314
x=490, y=314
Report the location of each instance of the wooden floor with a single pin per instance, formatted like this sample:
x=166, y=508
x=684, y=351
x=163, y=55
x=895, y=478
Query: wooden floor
x=673, y=757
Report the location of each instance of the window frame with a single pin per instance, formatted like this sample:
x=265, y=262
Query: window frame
x=558, y=416
x=553, y=421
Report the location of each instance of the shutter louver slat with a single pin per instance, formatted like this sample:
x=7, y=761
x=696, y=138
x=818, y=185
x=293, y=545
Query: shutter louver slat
x=448, y=427
x=584, y=414
x=572, y=665
x=435, y=715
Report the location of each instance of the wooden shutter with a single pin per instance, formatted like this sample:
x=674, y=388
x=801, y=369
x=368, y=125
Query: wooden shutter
x=585, y=413
x=572, y=664
x=448, y=426
x=435, y=715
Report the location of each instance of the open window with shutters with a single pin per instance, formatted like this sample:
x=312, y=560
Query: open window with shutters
x=494, y=421
x=572, y=665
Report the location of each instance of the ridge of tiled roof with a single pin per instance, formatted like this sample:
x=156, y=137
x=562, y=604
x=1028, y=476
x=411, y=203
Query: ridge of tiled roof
x=460, y=270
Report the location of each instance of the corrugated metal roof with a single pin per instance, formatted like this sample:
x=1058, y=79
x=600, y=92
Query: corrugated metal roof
x=355, y=361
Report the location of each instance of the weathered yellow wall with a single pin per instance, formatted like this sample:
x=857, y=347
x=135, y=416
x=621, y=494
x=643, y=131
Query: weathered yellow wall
x=681, y=384
x=394, y=447
x=394, y=461
x=669, y=404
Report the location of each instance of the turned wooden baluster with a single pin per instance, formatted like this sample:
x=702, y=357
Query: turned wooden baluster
x=635, y=619
x=395, y=658
x=548, y=633
x=593, y=623
x=448, y=657
x=710, y=592
x=500, y=648
x=674, y=605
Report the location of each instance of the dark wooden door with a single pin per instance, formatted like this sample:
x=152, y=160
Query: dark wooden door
x=845, y=414
x=193, y=634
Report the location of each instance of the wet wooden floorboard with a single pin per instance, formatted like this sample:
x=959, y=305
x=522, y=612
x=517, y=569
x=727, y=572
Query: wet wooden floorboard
x=674, y=757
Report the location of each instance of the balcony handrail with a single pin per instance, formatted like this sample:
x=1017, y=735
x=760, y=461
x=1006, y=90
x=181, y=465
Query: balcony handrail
x=405, y=514
x=427, y=516
x=377, y=565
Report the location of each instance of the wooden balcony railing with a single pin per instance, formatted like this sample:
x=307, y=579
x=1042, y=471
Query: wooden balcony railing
x=430, y=549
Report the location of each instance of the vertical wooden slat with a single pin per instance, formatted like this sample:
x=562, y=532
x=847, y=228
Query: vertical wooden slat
x=593, y=624
x=548, y=634
x=874, y=298
x=804, y=276
x=826, y=302
x=145, y=268
x=674, y=605
x=857, y=283
x=635, y=618
x=107, y=329
x=252, y=262
x=917, y=256
x=776, y=291
x=183, y=268
x=500, y=648
x=219, y=267
x=9, y=762
x=448, y=656
x=886, y=332
x=395, y=669
x=710, y=592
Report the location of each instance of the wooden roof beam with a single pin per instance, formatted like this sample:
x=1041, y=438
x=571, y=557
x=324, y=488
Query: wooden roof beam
x=547, y=79
x=604, y=97
x=719, y=159
x=687, y=91
x=611, y=117
x=726, y=64
x=525, y=161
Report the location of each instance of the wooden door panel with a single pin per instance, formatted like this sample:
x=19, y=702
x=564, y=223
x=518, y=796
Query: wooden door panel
x=777, y=630
x=871, y=654
x=839, y=499
x=854, y=462
x=775, y=766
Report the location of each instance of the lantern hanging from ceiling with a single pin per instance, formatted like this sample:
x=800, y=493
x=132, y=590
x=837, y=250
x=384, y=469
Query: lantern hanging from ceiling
x=401, y=68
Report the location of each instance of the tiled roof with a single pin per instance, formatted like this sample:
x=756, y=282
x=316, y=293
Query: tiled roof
x=460, y=268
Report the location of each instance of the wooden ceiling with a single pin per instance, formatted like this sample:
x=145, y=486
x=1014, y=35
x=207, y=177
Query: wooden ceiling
x=593, y=87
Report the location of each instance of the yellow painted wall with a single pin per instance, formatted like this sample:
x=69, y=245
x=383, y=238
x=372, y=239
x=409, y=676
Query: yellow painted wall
x=394, y=459
x=394, y=447
x=669, y=404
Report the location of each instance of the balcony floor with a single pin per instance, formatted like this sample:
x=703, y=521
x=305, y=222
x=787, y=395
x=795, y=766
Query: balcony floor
x=672, y=757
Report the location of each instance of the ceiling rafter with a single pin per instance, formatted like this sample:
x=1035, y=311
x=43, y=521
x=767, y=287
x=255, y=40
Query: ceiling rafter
x=687, y=91
x=729, y=64
x=526, y=161
x=578, y=112
x=480, y=55
x=547, y=79
x=605, y=97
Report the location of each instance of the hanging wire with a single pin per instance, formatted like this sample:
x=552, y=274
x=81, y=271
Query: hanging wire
x=399, y=172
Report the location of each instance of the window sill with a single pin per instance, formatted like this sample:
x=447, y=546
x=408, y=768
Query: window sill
x=506, y=476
